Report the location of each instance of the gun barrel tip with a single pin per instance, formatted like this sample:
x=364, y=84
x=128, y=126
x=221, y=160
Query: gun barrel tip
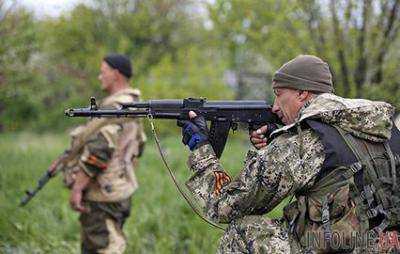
x=69, y=112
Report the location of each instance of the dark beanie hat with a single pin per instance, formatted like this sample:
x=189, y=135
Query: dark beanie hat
x=305, y=72
x=120, y=63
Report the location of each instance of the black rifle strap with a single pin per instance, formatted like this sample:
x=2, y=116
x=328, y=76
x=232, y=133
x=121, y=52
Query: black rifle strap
x=175, y=181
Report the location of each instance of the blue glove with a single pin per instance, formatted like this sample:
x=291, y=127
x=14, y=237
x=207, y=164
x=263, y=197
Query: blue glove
x=194, y=132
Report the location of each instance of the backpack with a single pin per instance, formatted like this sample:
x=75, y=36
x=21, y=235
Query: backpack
x=352, y=204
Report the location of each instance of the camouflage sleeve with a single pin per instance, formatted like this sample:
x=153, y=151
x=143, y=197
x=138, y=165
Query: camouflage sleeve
x=94, y=125
x=269, y=176
x=95, y=156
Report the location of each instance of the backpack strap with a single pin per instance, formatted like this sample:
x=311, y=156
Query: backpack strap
x=385, y=204
x=392, y=165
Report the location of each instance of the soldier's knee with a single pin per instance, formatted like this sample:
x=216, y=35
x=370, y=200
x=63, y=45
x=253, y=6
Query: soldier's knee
x=249, y=223
x=255, y=234
x=94, y=232
x=116, y=239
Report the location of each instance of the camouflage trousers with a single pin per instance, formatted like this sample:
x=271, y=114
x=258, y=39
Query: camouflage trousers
x=101, y=227
x=258, y=234
x=255, y=234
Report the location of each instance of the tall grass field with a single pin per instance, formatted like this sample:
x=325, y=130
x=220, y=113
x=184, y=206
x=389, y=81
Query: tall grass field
x=161, y=221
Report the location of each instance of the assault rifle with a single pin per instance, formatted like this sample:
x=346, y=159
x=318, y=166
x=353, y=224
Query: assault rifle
x=50, y=172
x=223, y=115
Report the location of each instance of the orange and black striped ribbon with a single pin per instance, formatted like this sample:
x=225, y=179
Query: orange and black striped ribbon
x=221, y=178
x=94, y=161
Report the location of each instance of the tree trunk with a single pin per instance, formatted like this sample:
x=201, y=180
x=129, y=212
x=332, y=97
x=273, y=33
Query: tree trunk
x=389, y=34
x=361, y=69
x=340, y=53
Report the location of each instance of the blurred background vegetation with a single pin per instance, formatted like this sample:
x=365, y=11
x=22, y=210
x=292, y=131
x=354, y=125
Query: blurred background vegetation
x=218, y=49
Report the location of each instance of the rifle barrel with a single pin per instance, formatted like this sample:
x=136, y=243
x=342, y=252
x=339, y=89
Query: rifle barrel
x=85, y=112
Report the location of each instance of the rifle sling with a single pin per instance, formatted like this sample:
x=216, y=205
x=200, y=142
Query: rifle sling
x=174, y=180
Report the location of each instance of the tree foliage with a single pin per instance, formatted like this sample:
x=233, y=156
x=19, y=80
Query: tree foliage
x=359, y=39
x=17, y=47
x=183, y=48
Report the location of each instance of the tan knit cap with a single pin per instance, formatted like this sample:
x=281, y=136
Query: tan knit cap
x=305, y=72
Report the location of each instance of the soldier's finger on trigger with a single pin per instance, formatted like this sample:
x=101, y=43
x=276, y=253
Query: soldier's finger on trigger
x=262, y=129
x=256, y=135
x=192, y=114
x=262, y=144
x=256, y=140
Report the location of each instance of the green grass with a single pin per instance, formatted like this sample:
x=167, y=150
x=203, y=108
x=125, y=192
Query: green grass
x=161, y=221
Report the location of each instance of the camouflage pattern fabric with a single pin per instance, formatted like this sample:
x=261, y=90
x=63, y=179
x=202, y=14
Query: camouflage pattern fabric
x=116, y=179
x=268, y=177
x=101, y=227
x=371, y=120
x=107, y=150
x=97, y=153
x=289, y=163
x=255, y=234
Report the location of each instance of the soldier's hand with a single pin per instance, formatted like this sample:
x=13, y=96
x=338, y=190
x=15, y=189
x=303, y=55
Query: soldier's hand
x=76, y=201
x=259, y=137
x=53, y=166
x=81, y=182
x=194, y=131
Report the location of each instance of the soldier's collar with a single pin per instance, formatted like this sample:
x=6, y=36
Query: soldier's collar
x=303, y=108
x=300, y=117
x=127, y=90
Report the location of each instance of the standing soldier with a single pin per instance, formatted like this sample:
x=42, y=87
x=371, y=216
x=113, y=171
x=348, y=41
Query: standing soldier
x=101, y=177
x=339, y=157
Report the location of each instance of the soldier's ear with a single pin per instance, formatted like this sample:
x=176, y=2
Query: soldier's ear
x=303, y=95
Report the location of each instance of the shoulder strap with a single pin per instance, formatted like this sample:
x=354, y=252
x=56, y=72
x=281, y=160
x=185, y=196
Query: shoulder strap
x=362, y=157
x=386, y=202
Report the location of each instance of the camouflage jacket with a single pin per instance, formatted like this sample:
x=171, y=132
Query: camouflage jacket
x=109, y=148
x=287, y=164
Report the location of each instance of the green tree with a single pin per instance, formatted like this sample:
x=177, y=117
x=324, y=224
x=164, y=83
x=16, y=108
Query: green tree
x=359, y=39
x=18, y=45
x=193, y=74
x=73, y=45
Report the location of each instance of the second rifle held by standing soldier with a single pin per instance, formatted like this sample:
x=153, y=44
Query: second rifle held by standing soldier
x=54, y=168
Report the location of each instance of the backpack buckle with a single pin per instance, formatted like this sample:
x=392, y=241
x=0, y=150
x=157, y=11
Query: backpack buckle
x=371, y=213
x=368, y=194
x=397, y=159
x=355, y=167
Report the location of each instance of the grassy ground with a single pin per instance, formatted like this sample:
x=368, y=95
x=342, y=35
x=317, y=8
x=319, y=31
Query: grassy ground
x=161, y=221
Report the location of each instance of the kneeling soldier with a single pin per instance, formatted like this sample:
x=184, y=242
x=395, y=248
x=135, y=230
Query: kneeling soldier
x=339, y=157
